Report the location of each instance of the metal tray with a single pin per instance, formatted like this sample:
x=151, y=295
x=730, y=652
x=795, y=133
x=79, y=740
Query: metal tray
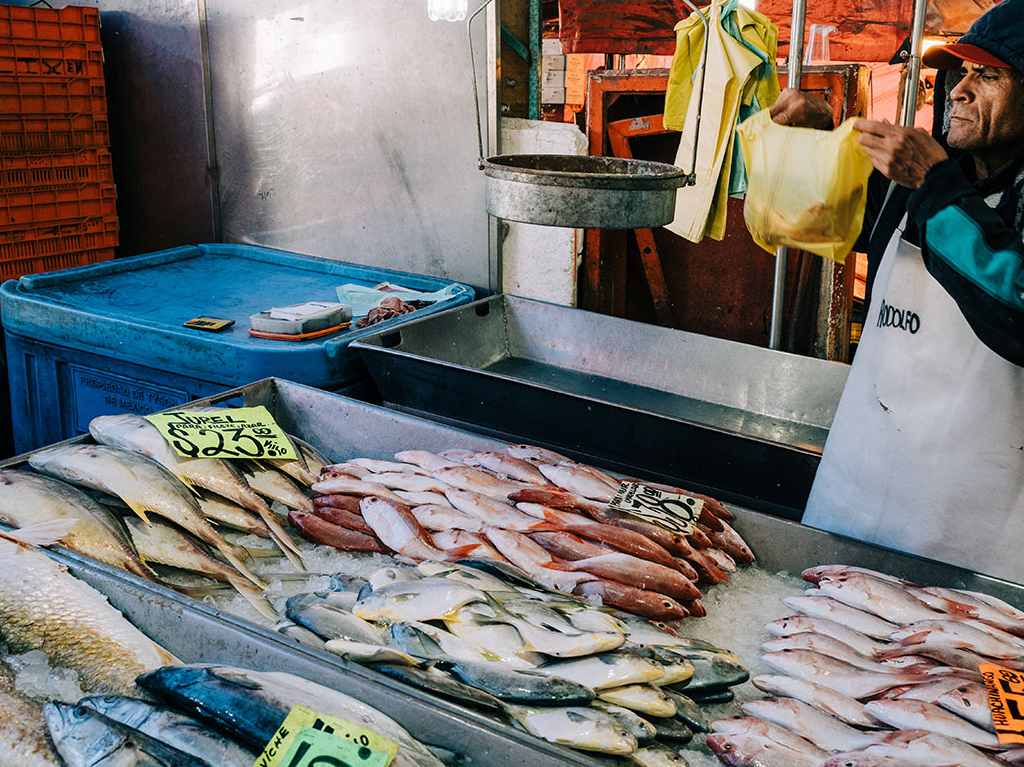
x=343, y=428
x=746, y=423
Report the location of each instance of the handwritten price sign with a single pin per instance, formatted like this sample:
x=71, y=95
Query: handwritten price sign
x=234, y=433
x=672, y=511
x=1006, y=701
x=309, y=739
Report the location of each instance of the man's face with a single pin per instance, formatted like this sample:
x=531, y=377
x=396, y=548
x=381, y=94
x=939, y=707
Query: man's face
x=988, y=109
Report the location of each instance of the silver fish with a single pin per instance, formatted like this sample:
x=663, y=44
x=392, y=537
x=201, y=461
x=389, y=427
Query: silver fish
x=825, y=645
x=809, y=723
x=771, y=731
x=755, y=750
x=431, y=643
x=830, y=609
x=918, y=715
x=28, y=499
x=805, y=624
x=586, y=729
x=226, y=513
x=632, y=722
x=407, y=481
x=509, y=466
x=425, y=460
x=144, y=485
x=474, y=624
x=536, y=455
x=551, y=641
x=162, y=544
x=842, y=707
x=969, y=701
x=300, y=634
x=645, y=699
x=440, y=683
x=928, y=748
x=421, y=600
x=605, y=671
x=276, y=486
x=85, y=738
x=369, y=653
x=388, y=467
x=837, y=675
x=882, y=598
x=423, y=499
x=443, y=518
x=473, y=480
x=520, y=685
x=962, y=634
x=174, y=729
x=316, y=614
x=577, y=481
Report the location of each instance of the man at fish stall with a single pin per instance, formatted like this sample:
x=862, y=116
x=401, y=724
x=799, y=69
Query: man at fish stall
x=926, y=451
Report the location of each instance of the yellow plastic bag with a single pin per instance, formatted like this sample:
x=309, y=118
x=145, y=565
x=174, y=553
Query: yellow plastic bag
x=807, y=188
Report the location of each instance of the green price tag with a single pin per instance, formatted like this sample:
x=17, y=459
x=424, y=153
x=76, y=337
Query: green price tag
x=309, y=739
x=242, y=433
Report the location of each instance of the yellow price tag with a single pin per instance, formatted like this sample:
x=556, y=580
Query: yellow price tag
x=671, y=511
x=310, y=739
x=1005, y=700
x=241, y=433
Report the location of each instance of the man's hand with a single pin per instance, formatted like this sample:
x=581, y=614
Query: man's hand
x=903, y=155
x=802, y=110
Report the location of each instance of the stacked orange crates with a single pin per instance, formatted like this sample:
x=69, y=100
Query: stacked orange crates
x=57, y=200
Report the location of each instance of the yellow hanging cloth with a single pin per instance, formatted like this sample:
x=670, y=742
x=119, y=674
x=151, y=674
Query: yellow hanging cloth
x=728, y=83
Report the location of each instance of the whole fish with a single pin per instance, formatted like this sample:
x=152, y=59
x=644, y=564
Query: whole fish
x=822, y=730
x=586, y=729
x=631, y=722
x=440, y=683
x=648, y=576
x=754, y=750
x=43, y=607
x=918, y=715
x=945, y=649
x=535, y=560
x=1003, y=606
x=960, y=604
x=162, y=544
x=476, y=481
x=347, y=469
x=882, y=598
x=300, y=634
x=177, y=730
x=960, y=634
x=688, y=711
x=423, y=499
x=833, y=610
x=465, y=544
x=397, y=528
x=28, y=499
x=276, y=486
x=425, y=460
x=135, y=434
x=443, y=518
x=969, y=701
x=929, y=692
x=225, y=513
x=642, y=698
x=553, y=642
x=328, y=622
x=815, y=574
x=805, y=624
x=493, y=513
x=519, y=685
x=837, y=675
x=388, y=467
x=508, y=466
x=865, y=759
x=842, y=707
x=426, y=641
x=349, y=486
x=474, y=624
x=929, y=748
x=301, y=469
x=833, y=648
x=344, y=518
x=606, y=671
x=144, y=486
x=587, y=618
x=361, y=652
x=577, y=481
x=407, y=481
x=748, y=725
x=348, y=503
x=729, y=541
x=646, y=603
x=617, y=537
x=655, y=634
x=535, y=454
x=250, y=705
x=319, y=530
x=23, y=737
x=427, y=599
x=675, y=668
x=86, y=738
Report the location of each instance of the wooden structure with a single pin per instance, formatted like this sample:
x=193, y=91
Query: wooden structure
x=646, y=274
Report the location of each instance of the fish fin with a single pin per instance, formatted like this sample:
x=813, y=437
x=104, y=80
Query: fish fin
x=40, y=534
x=915, y=638
x=898, y=652
x=254, y=597
x=280, y=536
x=261, y=552
x=461, y=552
x=961, y=609
x=138, y=508
x=228, y=552
x=199, y=592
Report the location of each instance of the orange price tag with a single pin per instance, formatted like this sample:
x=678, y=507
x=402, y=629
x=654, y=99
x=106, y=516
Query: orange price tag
x=1005, y=701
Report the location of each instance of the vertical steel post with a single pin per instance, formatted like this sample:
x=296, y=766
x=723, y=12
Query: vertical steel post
x=913, y=82
x=796, y=59
x=535, y=59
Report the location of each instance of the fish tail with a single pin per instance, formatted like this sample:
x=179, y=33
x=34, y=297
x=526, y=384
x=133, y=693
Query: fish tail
x=280, y=536
x=915, y=638
x=139, y=509
x=40, y=534
x=138, y=567
x=225, y=548
x=462, y=552
x=254, y=597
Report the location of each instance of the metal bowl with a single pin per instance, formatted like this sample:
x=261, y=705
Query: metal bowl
x=581, y=192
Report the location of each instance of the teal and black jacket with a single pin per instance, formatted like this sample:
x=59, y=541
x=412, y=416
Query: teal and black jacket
x=969, y=233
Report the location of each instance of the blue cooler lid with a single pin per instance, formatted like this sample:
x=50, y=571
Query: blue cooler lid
x=132, y=309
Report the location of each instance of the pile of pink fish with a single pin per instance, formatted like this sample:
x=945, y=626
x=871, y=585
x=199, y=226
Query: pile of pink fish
x=873, y=670
x=530, y=507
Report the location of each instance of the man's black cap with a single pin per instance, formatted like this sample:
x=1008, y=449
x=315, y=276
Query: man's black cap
x=994, y=40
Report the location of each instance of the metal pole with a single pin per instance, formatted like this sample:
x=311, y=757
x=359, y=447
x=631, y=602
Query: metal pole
x=914, y=65
x=796, y=59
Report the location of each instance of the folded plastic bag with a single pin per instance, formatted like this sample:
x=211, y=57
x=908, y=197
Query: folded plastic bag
x=363, y=298
x=806, y=188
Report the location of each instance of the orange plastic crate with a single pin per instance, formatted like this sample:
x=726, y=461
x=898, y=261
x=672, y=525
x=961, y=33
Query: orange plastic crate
x=41, y=58
x=71, y=24
x=19, y=210
x=12, y=270
x=32, y=134
x=38, y=96
x=19, y=172
x=88, y=234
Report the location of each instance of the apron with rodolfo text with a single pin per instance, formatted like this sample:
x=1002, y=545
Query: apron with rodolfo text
x=926, y=452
